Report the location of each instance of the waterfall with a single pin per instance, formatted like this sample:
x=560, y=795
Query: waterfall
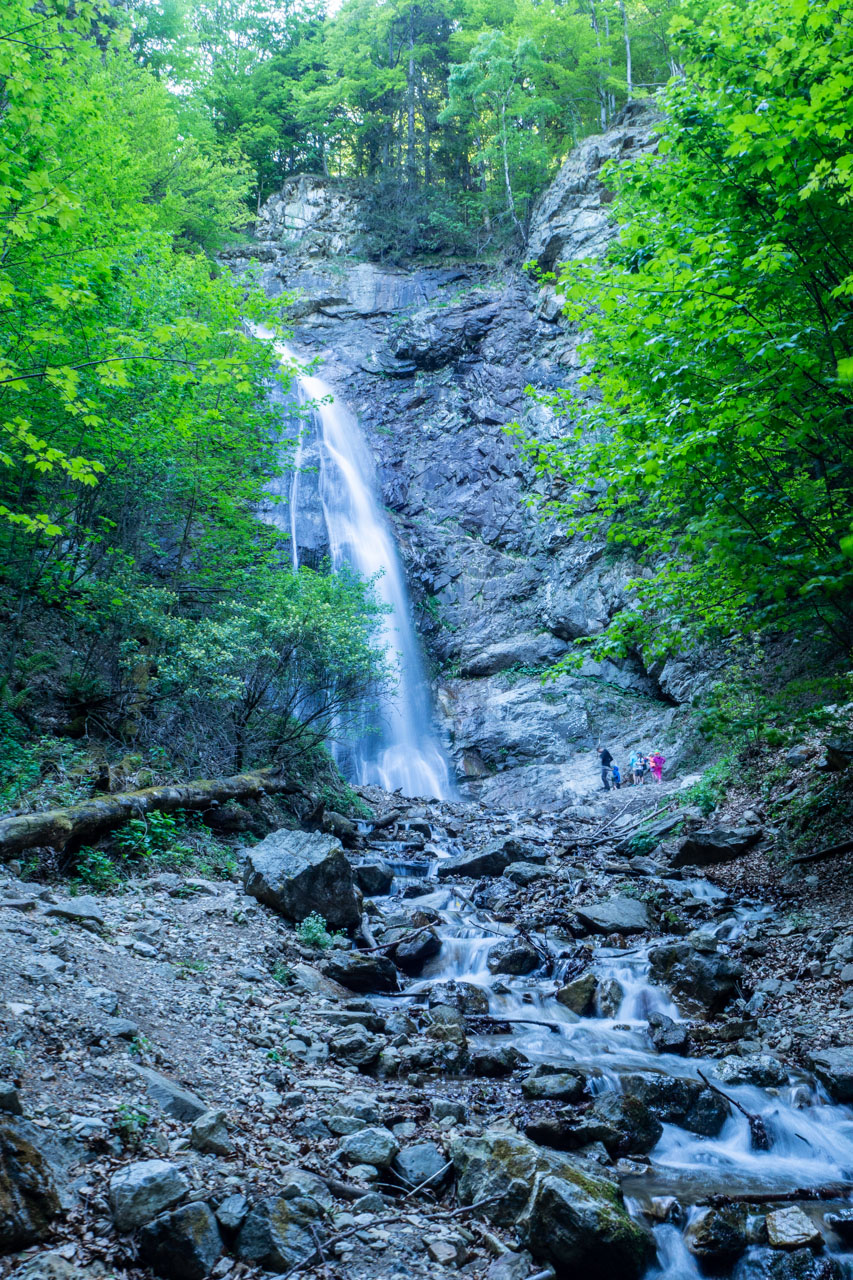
x=404, y=753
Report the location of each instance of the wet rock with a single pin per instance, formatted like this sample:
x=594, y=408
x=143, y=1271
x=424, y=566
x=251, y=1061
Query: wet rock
x=356, y=1045
x=467, y=997
x=674, y=1100
x=512, y=1266
x=579, y=996
x=834, y=1069
x=171, y=1097
x=297, y=872
x=710, y=978
x=28, y=1197
x=629, y=1125
x=444, y=1108
x=492, y=860
x=376, y=1146
x=140, y=1191
x=209, y=1134
x=53, y=1266
x=183, y=1245
x=801, y=1265
x=755, y=1068
x=716, y=844
x=841, y=1223
x=791, y=1228
x=374, y=878
x=493, y=1061
x=422, y=1163
x=667, y=1035
x=524, y=874
x=554, y=1086
x=565, y=1215
x=514, y=956
x=609, y=998
x=277, y=1232
x=411, y=956
x=717, y=1237
x=616, y=915
x=361, y=971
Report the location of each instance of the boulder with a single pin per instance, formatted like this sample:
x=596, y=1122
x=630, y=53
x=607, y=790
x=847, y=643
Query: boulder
x=553, y=1086
x=421, y=1163
x=177, y=1102
x=412, y=955
x=28, y=1197
x=209, y=1134
x=755, y=1068
x=667, y=1035
x=801, y=1264
x=492, y=860
x=467, y=997
x=834, y=1069
x=182, y=1245
x=717, y=1237
x=791, y=1228
x=297, y=872
x=715, y=844
x=493, y=1060
x=708, y=977
x=565, y=1215
x=523, y=874
x=374, y=878
x=514, y=956
x=616, y=915
x=361, y=971
x=355, y=1044
x=375, y=1146
x=232, y=1212
x=675, y=1100
x=579, y=996
x=140, y=1191
x=609, y=998
x=277, y=1232
x=84, y=911
x=10, y=1101
x=629, y=1125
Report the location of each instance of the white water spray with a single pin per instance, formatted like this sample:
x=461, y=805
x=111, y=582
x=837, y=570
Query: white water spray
x=404, y=753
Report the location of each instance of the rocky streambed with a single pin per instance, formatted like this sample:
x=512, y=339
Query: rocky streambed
x=534, y=1055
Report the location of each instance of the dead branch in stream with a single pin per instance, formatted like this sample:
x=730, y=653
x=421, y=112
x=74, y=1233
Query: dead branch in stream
x=379, y=824
x=757, y=1129
x=56, y=828
x=834, y=1191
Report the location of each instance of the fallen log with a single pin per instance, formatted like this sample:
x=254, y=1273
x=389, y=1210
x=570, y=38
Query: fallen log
x=757, y=1129
x=834, y=1191
x=56, y=828
x=832, y=851
x=379, y=824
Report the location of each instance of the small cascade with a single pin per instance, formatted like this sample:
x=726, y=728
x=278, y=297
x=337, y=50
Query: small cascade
x=398, y=749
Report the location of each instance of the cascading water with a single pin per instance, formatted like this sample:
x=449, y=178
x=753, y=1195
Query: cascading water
x=404, y=753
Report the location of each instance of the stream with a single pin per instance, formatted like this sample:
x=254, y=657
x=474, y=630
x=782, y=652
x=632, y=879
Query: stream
x=810, y=1139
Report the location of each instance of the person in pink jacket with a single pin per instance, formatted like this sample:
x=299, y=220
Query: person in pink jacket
x=657, y=761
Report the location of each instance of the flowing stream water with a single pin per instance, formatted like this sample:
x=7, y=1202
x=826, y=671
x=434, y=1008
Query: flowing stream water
x=810, y=1138
x=399, y=751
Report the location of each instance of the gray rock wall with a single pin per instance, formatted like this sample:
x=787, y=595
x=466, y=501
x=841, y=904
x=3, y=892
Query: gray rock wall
x=435, y=362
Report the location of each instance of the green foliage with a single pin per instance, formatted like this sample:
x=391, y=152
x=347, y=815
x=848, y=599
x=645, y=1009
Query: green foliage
x=313, y=932
x=714, y=426
x=130, y=1125
x=643, y=844
x=710, y=791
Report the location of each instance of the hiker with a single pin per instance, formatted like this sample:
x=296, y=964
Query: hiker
x=644, y=770
x=656, y=763
x=634, y=770
x=606, y=760
x=617, y=777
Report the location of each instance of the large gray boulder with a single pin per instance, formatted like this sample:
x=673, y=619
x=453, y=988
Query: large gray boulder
x=491, y=860
x=834, y=1069
x=297, y=872
x=28, y=1197
x=183, y=1245
x=708, y=977
x=142, y=1190
x=177, y=1102
x=715, y=844
x=567, y=1216
x=616, y=915
x=361, y=971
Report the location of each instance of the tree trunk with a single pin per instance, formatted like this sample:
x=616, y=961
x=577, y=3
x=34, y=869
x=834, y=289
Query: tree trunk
x=411, y=173
x=602, y=96
x=55, y=828
x=628, y=70
x=510, y=201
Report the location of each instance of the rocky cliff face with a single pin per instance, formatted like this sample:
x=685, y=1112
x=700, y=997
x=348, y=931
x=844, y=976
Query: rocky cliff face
x=435, y=362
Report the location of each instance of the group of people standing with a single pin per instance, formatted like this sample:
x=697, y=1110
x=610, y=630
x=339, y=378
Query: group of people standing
x=640, y=767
